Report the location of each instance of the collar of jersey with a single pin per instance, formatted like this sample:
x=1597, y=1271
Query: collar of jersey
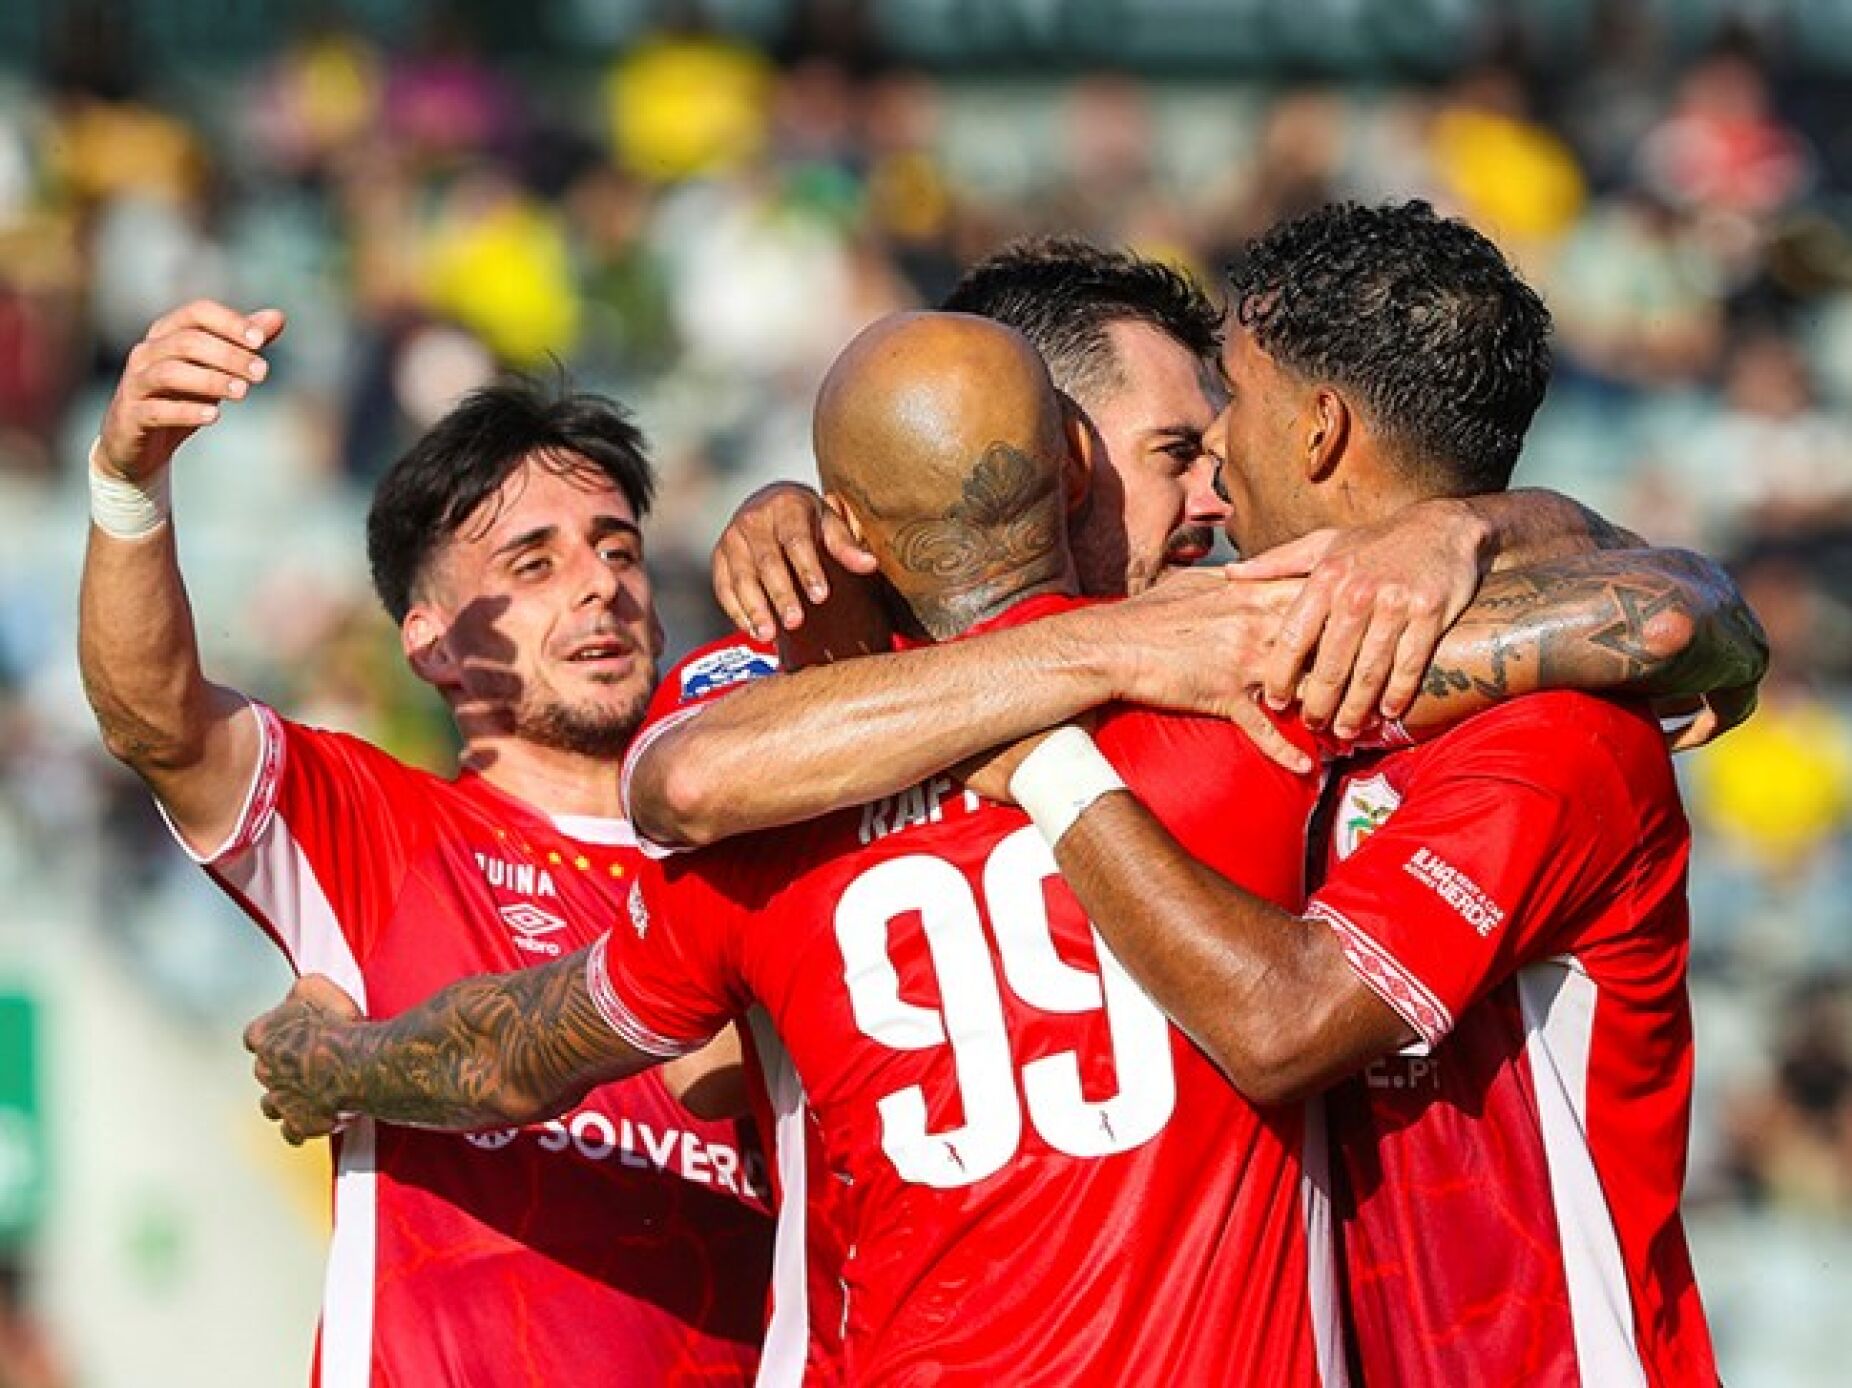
x=1028, y=610
x=609, y=831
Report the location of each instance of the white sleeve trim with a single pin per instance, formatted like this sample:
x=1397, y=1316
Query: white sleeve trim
x=260, y=797
x=621, y=1019
x=650, y=736
x=1387, y=977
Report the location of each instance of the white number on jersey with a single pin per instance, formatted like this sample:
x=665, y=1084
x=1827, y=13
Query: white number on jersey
x=970, y=1022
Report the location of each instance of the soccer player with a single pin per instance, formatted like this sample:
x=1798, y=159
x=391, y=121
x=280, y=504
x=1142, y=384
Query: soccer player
x=1131, y=341
x=506, y=543
x=1493, y=962
x=1134, y=346
x=1044, y=1183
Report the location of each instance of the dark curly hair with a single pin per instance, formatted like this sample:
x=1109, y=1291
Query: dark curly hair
x=1063, y=294
x=1419, y=316
x=460, y=462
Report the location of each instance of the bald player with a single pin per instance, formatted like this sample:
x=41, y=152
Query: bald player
x=1047, y=1184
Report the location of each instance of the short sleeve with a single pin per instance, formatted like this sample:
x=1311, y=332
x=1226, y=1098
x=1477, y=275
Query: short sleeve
x=1493, y=860
x=666, y=977
x=1226, y=804
x=706, y=674
x=322, y=842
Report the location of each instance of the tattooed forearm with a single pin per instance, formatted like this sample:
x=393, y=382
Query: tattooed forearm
x=487, y=1051
x=1641, y=621
x=1728, y=648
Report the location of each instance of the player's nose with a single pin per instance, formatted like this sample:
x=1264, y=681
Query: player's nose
x=1205, y=497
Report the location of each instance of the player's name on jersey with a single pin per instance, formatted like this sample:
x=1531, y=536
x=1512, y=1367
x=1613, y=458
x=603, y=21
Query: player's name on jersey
x=925, y=803
x=524, y=879
x=598, y=1137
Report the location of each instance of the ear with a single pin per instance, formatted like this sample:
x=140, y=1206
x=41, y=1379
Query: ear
x=1084, y=453
x=1329, y=435
x=421, y=637
x=838, y=503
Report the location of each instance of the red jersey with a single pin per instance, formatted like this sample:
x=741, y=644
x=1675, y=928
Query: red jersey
x=1045, y=1182
x=624, y=1242
x=1509, y=1188
x=803, y=1337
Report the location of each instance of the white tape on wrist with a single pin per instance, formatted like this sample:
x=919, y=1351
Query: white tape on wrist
x=1058, y=780
x=127, y=510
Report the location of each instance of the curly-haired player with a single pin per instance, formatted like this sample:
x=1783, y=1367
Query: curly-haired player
x=1493, y=960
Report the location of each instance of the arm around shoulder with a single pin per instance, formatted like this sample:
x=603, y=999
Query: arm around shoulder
x=1269, y=996
x=784, y=750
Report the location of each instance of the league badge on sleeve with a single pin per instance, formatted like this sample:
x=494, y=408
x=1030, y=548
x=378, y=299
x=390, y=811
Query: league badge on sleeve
x=724, y=668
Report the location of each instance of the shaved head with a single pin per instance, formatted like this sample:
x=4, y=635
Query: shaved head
x=943, y=439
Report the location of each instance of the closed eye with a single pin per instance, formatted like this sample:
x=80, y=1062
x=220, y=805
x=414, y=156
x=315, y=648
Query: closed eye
x=1183, y=453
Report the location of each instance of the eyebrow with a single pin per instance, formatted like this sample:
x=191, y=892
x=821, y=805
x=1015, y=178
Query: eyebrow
x=615, y=525
x=1182, y=433
x=540, y=534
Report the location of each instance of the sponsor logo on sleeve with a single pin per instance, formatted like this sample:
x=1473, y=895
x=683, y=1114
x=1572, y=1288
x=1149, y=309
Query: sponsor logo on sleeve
x=639, y=910
x=724, y=668
x=1455, y=888
x=1365, y=808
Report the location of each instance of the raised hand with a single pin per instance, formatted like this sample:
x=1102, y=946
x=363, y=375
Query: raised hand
x=178, y=378
x=297, y=1063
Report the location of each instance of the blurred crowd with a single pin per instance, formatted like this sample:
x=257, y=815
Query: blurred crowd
x=695, y=226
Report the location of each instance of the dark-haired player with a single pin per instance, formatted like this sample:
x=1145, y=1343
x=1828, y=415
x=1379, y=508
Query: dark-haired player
x=1493, y=960
x=1134, y=346
x=1134, y=343
x=506, y=544
x=1040, y=1185
x=1043, y=1183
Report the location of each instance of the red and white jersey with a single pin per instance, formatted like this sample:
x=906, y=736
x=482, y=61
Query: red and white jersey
x=705, y=674
x=625, y=1242
x=1509, y=1187
x=804, y=1327
x=1042, y=1181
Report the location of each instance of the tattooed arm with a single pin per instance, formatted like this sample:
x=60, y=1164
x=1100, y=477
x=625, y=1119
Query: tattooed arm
x=1651, y=622
x=493, y=1051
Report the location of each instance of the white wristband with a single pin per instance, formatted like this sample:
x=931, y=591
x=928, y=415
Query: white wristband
x=1058, y=780
x=127, y=510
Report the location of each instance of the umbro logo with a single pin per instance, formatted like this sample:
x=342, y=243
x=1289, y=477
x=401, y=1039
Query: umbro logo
x=530, y=925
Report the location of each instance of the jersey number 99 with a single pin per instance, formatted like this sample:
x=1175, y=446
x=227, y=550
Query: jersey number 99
x=970, y=1019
